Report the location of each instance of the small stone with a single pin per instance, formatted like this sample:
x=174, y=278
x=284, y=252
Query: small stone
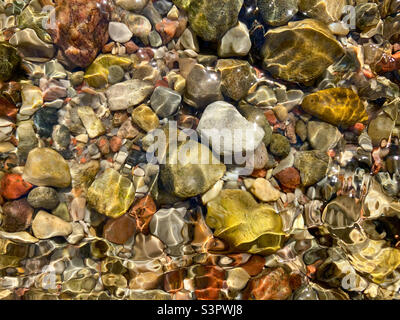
x=237, y=77
x=32, y=99
x=380, y=129
x=61, y=137
x=324, y=10
x=127, y=131
x=237, y=279
x=17, y=215
x=43, y=197
x=190, y=177
x=111, y=194
x=264, y=191
x=78, y=233
x=139, y=25
x=235, y=43
x=279, y=145
x=257, y=116
x=62, y=212
x=45, y=119
x=115, y=143
x=322, y=136
x=289, y=179
x=264, y=96
x=119, y=32
x=127, y=94
x=77, y=78
x=312, y=165
x=365, y=142
x=13, y=186
x=142, y=211
x=273, y=284
x=18, y=237
x=221, y=119
x=210, y=19
x=115, y=74
x=93, y=125
x=119, y=230
x=46, y=167
x=203, y=86
x=188, y=40
x=132, y=5
x=165, y=101
x=281, y=112
x=301, y=130
x=277, y=12
x=337, y=106
x=46, y=226
x=260, y=158
x=9, y=61
x=367, y=16
x=145, y=118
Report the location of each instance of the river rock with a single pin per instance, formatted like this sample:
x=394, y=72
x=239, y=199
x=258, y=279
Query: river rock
x=191, y=170
x=203, y=86
x=380, y=128
x=279, y=146
x=210, y=19
x=145, y=118
x=46, y=226
x=263, y=190
x=244, y=224
x=27, y=139
x=17, y=215
x=277, y=12
x=46, y=167
x=139, y=25
x=235, y=43
x=300, y=51
x=312, y=165
x=165, y=101
x=127, y=94
x=119, y=32
x=322, y=136
x=119, y=230
x=81, y=29
x=324, y=10
x=338, y=106
x=43, y=197
x=9, y=61
x=92, y=124
x=111, y=194
x=237, y=77
x=132, y=5
x=221, y=120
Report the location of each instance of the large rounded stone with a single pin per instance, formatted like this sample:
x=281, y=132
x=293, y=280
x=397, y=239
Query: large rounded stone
x=235, y=43
x=165, y=101
x=111, y=194
x=210, y=19
x=46, y=226
x=338, y=106
x=300, y=51
x=46, y=167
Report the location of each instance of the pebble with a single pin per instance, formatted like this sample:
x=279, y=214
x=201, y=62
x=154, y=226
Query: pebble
x=279, y=145
x=112, y=202
x=222, y=119
x=46, y=167
x=13, y=186
x=380, y=129
x=119, y=230
x=264, y=191
x=235, y=42
x=115, y=74
x=17, y=215
x=312, y=166
x=45, y=119
x=119, y=32
x=165, y=101
x=145, y=118
x=289, y=179
x=43, y=197
x=127, y=94
x=139, y=25
x=77, y=78
x=322, y=136
x=132, y=5
x=281, y=113
x=277, y=12
x=91, y=122
x=46, y=226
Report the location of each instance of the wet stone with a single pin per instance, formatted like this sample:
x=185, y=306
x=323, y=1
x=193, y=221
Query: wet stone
x=279, y=145
x=312, y=165
x=277, y=12
x=322, y=136
x=43, y=197
x=17, y=215
x=119, y=230
x=45, y=119
x=165, y=101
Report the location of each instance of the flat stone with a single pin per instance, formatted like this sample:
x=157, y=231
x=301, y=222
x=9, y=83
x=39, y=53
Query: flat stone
x=46, y=226
x=312, y=165
x=263, y=190
x=165, y=101
x=17, y=215
x=145, y=118
x=119, y=230
x=221, y=120
x=32, y=99
x=322, y=136
x=119, y=32
x=93, y=125
x=235, y=43
x=290, y=51
x=46, y=167
x=186, y=174
x=127, y=94
x=43, y=197
x=245, y=224
x=237, y=77
x=111, y=194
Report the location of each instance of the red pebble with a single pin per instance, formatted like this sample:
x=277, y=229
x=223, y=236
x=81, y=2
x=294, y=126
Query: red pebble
x=270, y=115
x=13, y=186
x=289, y=179
x=115, y=143
x=131, y=47
x=254, y=266
x=167, y=29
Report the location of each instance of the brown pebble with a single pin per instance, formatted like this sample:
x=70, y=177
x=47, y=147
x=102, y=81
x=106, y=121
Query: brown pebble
x=119, y=230
x=115, y=143
x=17, y=215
